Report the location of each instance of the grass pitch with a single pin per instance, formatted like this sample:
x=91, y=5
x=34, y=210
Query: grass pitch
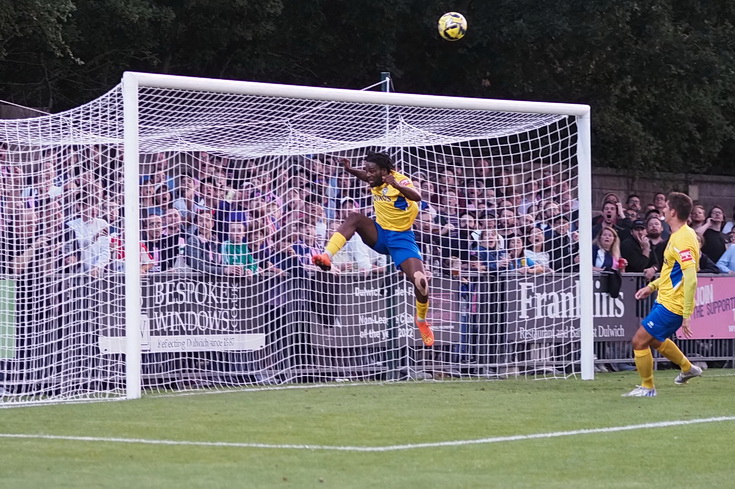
x=505, y=434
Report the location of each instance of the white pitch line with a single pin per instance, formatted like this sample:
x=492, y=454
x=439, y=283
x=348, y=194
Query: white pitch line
x=389, y=448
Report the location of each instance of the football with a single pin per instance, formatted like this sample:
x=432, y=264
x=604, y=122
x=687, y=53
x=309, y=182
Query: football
x=452, y=26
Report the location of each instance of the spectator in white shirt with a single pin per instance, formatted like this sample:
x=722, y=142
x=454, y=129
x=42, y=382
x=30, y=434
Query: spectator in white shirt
x=92, y=234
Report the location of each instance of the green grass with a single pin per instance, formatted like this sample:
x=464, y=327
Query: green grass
x=697, y=455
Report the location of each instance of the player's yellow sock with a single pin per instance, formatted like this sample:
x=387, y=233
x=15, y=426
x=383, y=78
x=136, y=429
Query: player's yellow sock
x=644, y=364
x=336, y=242
x=673, y=353
x=422, y=309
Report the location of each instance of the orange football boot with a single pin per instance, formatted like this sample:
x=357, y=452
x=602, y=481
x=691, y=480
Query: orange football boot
x=427, y=335
x=322, y=261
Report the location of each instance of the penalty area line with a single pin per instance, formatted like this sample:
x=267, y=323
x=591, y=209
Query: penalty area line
x=387, y=448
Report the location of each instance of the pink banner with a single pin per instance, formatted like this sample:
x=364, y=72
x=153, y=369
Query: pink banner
x=714, y=312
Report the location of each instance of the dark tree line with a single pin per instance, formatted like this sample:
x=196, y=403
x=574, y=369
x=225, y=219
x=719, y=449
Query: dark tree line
x=657, y=74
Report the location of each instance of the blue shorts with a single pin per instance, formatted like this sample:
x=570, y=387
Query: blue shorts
x=400, y=245
x=661, y=323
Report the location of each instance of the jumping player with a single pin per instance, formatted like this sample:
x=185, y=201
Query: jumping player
x=395, y=201
x=675, y=302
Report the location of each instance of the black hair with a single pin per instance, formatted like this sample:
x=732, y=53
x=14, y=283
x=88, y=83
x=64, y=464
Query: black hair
x=649, y=217
x=382, y=160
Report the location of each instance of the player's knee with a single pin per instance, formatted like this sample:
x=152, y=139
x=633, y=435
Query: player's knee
x=638, y=344
x=641, y=340
x=421, y=282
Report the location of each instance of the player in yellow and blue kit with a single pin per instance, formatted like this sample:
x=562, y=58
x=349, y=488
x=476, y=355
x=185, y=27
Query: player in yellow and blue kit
x=395, y=200
x=676, y=288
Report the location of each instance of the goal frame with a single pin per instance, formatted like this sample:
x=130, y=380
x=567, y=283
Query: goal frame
x=133, y=81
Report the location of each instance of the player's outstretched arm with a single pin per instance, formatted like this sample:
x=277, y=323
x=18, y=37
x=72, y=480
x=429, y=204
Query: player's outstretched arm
x=361, y=174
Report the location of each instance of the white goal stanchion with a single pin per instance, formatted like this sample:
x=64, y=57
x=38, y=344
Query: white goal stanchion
x=159, y=239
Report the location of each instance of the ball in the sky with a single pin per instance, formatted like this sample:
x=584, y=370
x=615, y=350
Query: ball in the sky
x=452, y=26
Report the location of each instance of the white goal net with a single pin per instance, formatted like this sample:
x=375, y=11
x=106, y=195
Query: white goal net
x=160, y=239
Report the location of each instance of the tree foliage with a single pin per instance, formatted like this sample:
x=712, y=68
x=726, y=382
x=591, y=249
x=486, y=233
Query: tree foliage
x=657, y=74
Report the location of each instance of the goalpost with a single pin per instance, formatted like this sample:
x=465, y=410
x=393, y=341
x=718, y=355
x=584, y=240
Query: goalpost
x=158, y=239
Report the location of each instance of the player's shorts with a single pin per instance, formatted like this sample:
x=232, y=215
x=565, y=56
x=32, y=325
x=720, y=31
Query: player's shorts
x=400, y=245
x=661, y=323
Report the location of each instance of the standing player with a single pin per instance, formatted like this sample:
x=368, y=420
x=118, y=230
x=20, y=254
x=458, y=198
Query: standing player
x=395, y=201
x=675, y=303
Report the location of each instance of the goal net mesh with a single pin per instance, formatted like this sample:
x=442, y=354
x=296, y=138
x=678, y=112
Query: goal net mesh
x=237, y=192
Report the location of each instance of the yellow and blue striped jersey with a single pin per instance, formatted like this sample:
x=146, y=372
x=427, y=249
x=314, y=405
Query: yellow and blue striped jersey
x=682, y=252
x=393, y=211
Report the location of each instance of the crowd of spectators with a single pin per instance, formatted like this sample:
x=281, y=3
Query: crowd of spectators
x=643, y=235
x=61, y=211
x=232, y=217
